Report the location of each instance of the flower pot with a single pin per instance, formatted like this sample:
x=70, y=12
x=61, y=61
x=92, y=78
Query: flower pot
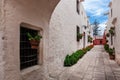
x=83, y=34
x=34, y=44
x=112, y=32
x=112, y=57
x=107, y=34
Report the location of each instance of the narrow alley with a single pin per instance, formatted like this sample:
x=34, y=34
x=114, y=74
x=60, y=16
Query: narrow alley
x=95, y=65
x=59, y=40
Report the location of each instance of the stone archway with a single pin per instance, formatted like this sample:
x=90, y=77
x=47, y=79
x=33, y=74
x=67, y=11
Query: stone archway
x=14, y=12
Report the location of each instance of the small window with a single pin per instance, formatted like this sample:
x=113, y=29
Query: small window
x=111, y=12
x=78, y=31
x=28, y=56
x=77, y=6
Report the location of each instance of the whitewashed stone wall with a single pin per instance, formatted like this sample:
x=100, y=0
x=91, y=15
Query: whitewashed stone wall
x=12, y=14
x=2, y=62
x=85, y=22
x=62, y=37
x=59, y=37
x=115, y=14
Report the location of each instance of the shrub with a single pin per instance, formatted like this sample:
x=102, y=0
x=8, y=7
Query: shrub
x=81, y=53
x=78, y=54
x=84, y=50
x=67, y=61
x=74, y=57
x=91, y=46
x=88, y=48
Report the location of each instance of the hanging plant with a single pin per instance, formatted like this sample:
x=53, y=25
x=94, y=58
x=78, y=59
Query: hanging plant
x=113, y=28
x=80, y=36
x=111, y=53
x=112, y=31
x=106, y=41
x=107, y=34
x=90, y=39
x=34, y=40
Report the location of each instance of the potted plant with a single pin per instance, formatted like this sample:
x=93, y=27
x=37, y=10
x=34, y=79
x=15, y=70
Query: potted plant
x=107, y=34
x=79, y=36
x=106, y=47
x=106, y=41
x=112, y=31
x=34, y=40
x=90, y=39
x=111, y=53
x=113, y=28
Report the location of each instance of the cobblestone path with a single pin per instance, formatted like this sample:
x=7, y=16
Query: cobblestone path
x=95, y=65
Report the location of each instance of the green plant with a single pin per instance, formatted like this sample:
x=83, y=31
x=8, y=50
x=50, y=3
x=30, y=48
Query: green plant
x=88, y=48
x=35, y=37
x=75, y=56
x=90, y=39
x=111, y=51
x=107, y=34
x=79, y=35
x=106, y=47
x=67, y=61
x=84, y=50
x=112, y=31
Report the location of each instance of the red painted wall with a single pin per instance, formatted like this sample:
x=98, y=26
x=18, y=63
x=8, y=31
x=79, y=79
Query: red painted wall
x=100, y=41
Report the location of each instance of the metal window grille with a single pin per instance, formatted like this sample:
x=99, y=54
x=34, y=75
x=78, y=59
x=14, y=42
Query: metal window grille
x=28, y=56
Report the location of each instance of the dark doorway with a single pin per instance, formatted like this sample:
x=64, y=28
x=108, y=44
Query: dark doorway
x=84, y=40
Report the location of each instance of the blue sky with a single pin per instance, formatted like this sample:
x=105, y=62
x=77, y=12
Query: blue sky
x=95, y=9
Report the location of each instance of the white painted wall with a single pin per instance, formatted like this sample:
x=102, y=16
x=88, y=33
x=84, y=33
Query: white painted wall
x=12, y=14
x=63, y=34
x=59, y=36
x=115, y=13
x=85, y=22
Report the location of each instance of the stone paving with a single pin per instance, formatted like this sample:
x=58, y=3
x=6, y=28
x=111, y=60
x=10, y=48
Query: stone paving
x=95, y=65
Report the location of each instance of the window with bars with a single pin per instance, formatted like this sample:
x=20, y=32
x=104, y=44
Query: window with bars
x=111, y=12
x=28, y=56
x=78, y=31
x=77, y=6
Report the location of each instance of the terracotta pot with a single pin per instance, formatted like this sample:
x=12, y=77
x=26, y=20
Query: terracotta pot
x=34, y=44
x=112, y=57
